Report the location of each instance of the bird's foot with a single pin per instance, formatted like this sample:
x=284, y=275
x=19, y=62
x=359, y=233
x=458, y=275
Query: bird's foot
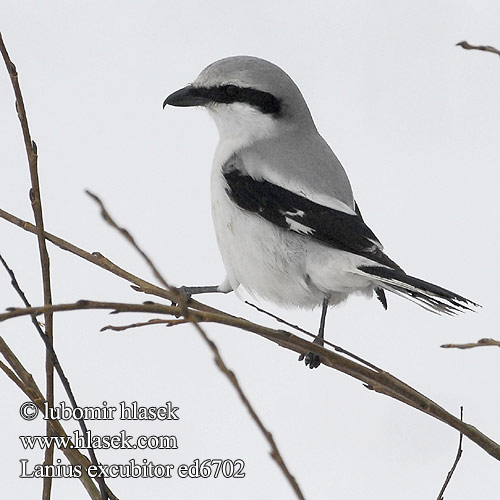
x=184, y=295
x=189, y=291
x=311, y=360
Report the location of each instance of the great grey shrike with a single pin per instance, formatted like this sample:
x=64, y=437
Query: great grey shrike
x=287, y=225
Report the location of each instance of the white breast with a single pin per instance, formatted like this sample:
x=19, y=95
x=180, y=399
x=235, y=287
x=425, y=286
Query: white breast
x=268, y=261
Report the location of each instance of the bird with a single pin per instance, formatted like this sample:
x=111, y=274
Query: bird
x=286, y=221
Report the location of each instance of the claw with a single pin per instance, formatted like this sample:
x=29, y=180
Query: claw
x=311, y=360
x=186, y=291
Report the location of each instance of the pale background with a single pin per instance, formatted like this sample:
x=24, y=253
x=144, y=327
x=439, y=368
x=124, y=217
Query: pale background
x=415, y=121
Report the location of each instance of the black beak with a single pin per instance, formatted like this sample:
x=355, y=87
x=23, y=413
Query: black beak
x=188, y=96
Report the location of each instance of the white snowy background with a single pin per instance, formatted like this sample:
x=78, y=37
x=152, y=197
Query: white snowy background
x=414, y=120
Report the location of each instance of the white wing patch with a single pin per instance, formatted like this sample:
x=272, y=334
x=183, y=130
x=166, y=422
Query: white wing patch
x=376, y=244
x=294, y=213
x=295, y=225
x=298, y=227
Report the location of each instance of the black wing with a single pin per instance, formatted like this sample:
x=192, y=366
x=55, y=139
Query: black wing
x=296, y=213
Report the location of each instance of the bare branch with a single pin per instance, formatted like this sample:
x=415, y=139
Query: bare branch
x=485, y=48
x=377, y=380
x=115, y=307
x=36, y=204
x=479, y=343
x=54, y=361
x=455, y=463
x=275, y=454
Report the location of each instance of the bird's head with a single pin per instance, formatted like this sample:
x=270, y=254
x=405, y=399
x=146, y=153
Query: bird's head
x=246, y=96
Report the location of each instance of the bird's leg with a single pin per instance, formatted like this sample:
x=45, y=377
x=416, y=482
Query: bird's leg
x=188, y=291
x=312, y=360
x=194, y=290
x=224, y=287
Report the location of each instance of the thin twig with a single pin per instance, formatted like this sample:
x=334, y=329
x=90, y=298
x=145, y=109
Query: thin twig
x=36, y=204
x=309, y=334
x=114, y=307
x=64, y=380
x=275, y=454
x=479, y=343
x=281, y=320
x=107, y=217
x=485, y=48
x=380, y=381
x=155, y=321
x=455, y=463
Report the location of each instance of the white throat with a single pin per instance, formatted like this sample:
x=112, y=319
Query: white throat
x=239, y=125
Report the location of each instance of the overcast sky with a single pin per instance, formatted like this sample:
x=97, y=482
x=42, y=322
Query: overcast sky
x=414, y=120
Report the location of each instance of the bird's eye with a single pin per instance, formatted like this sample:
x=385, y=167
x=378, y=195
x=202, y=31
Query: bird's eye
x=231, y=90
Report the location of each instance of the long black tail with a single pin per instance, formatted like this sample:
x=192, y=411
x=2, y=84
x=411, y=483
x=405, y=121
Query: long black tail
x=429, y=296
